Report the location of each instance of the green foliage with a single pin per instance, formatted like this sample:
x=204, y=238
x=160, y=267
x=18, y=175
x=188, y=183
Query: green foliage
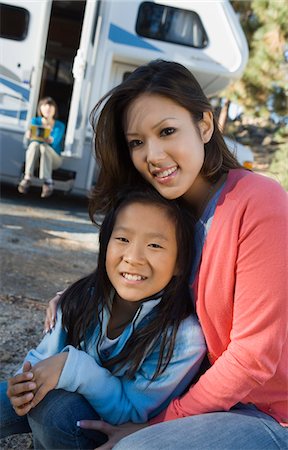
x=279, y=165
x=265, y=25
x=281, y=135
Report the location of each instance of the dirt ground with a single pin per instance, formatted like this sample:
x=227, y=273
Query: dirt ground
x=45, y=245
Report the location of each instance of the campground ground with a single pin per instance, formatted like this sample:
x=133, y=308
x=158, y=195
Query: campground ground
x=45, y=245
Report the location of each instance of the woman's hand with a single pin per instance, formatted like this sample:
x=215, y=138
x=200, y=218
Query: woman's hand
x=114, y=433
x=51, y=316
x=46, y=375
x=20, y=390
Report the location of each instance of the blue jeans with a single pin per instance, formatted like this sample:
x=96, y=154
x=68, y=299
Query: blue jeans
x=52, y=421
x=10, y=422
x=242, y=428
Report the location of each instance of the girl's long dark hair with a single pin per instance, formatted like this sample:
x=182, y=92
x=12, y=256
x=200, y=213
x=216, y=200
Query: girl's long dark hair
x=85, y=299
x=166, y=78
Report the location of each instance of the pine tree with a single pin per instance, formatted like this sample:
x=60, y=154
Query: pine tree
x=263, y=85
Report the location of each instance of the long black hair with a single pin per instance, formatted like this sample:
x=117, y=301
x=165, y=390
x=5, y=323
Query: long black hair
x=166, y=78
x=82, y=302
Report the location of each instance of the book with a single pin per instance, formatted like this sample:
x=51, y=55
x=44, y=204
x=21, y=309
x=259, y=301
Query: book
x=39, y=133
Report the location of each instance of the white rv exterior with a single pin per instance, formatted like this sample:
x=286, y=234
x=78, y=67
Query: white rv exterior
x=74, y=51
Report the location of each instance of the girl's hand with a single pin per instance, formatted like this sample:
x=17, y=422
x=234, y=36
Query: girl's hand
x=28, y=134
x=49, y=140
x=51, y=316
x=46, y=375
x=114, y=433
x=20, y=390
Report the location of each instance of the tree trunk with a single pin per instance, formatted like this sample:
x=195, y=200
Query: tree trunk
x=223, y=115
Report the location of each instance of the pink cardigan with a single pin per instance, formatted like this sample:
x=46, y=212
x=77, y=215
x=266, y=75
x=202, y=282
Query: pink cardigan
x=241, y=301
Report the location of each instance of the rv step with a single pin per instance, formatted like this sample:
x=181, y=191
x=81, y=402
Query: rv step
x=58, y=174
x=63, y=178
x=63, y=175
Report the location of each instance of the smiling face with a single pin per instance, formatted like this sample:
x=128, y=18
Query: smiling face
x=165, y=145
x=142, y=251
x=47, y=111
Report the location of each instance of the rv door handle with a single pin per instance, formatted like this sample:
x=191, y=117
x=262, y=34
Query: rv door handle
x=79, y=66
x=31, y=76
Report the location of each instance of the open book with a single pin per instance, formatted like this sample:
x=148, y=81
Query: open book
x=39, y=133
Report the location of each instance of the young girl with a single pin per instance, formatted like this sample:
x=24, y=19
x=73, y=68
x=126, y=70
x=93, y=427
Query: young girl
x=158, y=127
x=125, y=338
x=43, y=151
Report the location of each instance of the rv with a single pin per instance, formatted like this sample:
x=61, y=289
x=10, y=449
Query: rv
x=75, y=51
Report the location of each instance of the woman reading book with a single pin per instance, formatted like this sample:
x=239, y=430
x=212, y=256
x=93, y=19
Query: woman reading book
x=46, y=137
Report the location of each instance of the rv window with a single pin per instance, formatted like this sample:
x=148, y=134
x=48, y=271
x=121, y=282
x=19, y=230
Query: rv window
x=14, y=22
x=169, y=24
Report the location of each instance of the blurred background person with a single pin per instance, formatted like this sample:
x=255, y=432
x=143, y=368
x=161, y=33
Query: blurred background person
x=44, y=151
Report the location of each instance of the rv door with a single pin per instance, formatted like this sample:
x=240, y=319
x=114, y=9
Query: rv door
x=23, y=41
x=83, y=64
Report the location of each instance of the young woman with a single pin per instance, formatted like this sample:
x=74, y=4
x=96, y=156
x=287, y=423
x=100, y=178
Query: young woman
x=159, y=127
x=126, y=338
x=43, y=151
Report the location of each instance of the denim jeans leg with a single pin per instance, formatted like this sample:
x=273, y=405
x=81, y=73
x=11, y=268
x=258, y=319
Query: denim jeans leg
x=53, y=422
x=243, y=427
x=10, y=422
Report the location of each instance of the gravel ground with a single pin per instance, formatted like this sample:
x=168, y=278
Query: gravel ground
x=21, y=324
x=45, y=246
